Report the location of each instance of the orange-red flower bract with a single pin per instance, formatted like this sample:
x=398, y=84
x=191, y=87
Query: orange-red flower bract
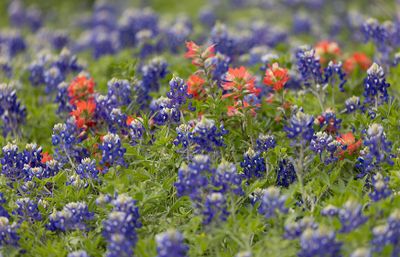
x=81, y=89
x=276, y=77
x=240, y=83
x=195, y=86
x=45, y=157
x=357, y=59
x=327, y=50
x=84, y=113
x=349, y=141
x=197, y=54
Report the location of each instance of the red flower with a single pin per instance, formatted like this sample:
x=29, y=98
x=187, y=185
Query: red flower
x=84, y=114
x=327, y=50
x=276, y=77
x=240, y=83
x=81, y=89
x=45, y=157
x=349, y=141
x=357, y=59
x=195, y=86
x=197, y=54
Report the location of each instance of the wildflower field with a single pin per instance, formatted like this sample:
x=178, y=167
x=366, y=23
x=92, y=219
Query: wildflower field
x=214, y=128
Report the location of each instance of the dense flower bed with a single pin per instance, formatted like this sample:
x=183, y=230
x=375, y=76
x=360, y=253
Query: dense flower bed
x=241, y=128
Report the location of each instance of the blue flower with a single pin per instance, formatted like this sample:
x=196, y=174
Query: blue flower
x=206, y=136
x=112, y=150
x=178, y=92
x=12, y=113
x=227, y=179
x=156, y=69
x=215, y=207
x=253, y=164
x=52, y=78
x=27, y=210
x=8, y=233
x=286, y=173
x=352, y=104
x=119, y=229
x=171, y=244
x=192, y=178
x=381, y=188
x=62, y=99
x=136, y=130
x=87, y=169
x=375, y=86
x=119, y=92
x=387, y=234
x=272, y=202
x=309, y=66
x=73, y=216
x=323, y=143
x=351, y=216
x=300, y=124
x=265, y=142
x=320, y=242
x=294, y=230
x=329, y=75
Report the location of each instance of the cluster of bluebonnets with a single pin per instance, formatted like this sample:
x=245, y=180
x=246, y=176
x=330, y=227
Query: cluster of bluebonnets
x=247, y=125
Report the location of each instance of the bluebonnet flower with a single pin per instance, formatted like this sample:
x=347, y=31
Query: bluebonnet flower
x=319, y=242
x=285, y=173
x=375, y=86
x=36, y=73
x=294, y=230
x=52, y=78
x=13, y=41
x=119, y=229
x=309, y=66
x=380, y=187
x=103, y=199
x=27, y=210
x=272, y=202
x=178, y=92
x=12, y=113
x=76, y=181
x=330, y=211
x=207, y=17
x=387, y=234
x=171, y=244
x=163, y=111
x=223, y=42
x=117, y=121
x=220, y=65
x=87, y=169
x=227, y=179
x=6, y=67
x=20, y=16
x=329, y=121
x=3, y=211
x=73, y=216
x=361, y=252
x=301, y=24
x=207, y=137
x=8, y=233
x=265, y=142
x=12, y=162
x=112, y=150
x=253, y=164
x=192, y=178
x=176, y=35
x=378, y=150
x=62, y=99
x=135, y=130
x=215, y=207
x=300, y=124
x=46, y=170
x=329, y=74
x=80, y=253
x=119, y=92
x=352, y=104
x=152, y=72
x=65, y=139
x=132, y=21
x=67, y=63
x=184, y=135
x=351, y=216
x=323, y=143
